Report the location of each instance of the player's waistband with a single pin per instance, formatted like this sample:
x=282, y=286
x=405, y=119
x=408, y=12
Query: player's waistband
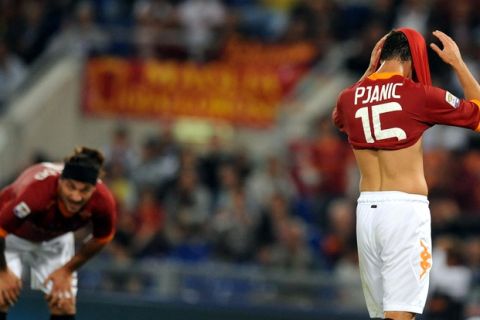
x=385, y=196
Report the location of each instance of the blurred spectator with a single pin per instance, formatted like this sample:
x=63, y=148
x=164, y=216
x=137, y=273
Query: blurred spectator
x=201, y=20
x=80, y=36
x=314, y=22
x=449, y=282
x=150, y=219
x=439, y=165
x=275, y=212
x=346, y=272
x=146, y=34
x=120, y=151
x=466, y=185
x=187, y=205
x=120, y=249
x=32, y=27
x=290, y=252
x=230, y=184
x=339, y=236
x=413, y=14
x=209, y=166
x=383, y=12
x=12, y=73
x=233, y=228
x=445, y=213
x=270, y=178
x=331, y=158
x=302, y=169
x=158, y=166
x=279, y=12
x=241, y=161
x=122, y=187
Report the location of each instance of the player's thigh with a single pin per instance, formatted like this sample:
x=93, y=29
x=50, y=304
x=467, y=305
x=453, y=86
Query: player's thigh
x=16, y=252
x=407, y=256
x=52, y=255
x=369, y=260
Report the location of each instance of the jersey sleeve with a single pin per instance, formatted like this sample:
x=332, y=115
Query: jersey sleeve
x=337, y=117
x=104, y=218
x=9, y=222
x=15, y=208
x=442, y=107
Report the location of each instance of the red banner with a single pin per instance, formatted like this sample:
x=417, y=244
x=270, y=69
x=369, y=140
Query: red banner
x=243, y=88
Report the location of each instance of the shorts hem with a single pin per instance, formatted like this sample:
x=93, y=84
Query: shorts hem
x=403, y=307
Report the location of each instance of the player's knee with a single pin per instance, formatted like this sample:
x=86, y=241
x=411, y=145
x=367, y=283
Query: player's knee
x=67, y=307
x=4, y=308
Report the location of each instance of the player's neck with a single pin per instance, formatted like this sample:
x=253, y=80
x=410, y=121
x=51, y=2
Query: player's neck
x=395, y=66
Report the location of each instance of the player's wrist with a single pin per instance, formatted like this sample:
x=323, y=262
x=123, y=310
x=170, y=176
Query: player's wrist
x=68, y=269
x=459, y=65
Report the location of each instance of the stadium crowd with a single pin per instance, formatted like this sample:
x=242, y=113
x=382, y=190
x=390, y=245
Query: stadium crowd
x=292, y=210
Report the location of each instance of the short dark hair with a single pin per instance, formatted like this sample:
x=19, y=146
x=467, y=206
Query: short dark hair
x=85, y=164
x=396, y=47
x=87, y=157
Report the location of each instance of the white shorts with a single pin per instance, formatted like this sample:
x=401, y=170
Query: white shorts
x=394, y=248
x=42, y=258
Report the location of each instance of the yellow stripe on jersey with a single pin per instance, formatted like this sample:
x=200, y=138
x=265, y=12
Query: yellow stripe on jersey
x=477, y=102
x=383, y=75
x=3, y=233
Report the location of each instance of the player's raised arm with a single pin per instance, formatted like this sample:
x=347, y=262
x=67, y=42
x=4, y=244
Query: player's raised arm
x=451, y=55
x=374, y=58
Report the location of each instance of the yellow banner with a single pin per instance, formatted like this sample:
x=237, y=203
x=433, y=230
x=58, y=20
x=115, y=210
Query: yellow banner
x=241, y=89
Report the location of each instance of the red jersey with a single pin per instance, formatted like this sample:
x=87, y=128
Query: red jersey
x=29, y=207
x=389, y=111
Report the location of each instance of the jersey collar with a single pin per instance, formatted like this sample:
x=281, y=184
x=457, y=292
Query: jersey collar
x=383, y=75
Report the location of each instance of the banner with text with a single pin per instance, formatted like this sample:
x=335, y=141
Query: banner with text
x=244, y=87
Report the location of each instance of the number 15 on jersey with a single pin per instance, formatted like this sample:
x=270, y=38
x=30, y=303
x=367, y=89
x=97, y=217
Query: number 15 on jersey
x=378, y=132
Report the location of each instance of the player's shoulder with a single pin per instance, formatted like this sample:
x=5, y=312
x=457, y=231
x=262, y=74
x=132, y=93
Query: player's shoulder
x=37, y=183
x=347, y=91
x=102, y=188
x=41, y=173
x=102, y=196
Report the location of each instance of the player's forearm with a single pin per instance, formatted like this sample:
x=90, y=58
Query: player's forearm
x=471, y=88
x=3, y=260
x=85, y=253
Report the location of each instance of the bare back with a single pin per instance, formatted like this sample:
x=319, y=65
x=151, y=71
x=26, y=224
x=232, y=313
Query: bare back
x=392, y=170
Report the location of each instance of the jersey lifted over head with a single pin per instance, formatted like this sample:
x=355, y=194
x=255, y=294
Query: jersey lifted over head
x=29, y=207
x=389, y=111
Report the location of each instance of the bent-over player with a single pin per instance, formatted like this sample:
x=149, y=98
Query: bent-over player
x=38, y=213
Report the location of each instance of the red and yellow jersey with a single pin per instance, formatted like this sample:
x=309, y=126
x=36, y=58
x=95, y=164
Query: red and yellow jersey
x=29, y=207
x=389, y=111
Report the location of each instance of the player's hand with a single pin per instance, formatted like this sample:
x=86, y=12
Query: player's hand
x=10, y=286
x=375, y=56
x=61, y=287
x=450, y=53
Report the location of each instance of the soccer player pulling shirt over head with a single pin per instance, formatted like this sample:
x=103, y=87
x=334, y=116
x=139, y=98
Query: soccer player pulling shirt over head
x=384, y=116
